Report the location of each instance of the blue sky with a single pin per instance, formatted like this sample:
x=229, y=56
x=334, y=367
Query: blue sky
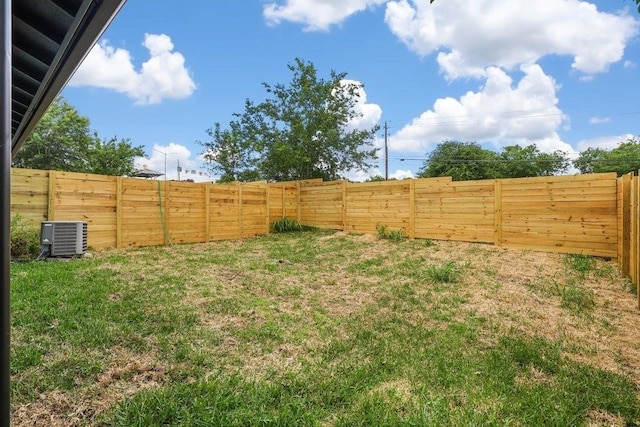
x=560, y=74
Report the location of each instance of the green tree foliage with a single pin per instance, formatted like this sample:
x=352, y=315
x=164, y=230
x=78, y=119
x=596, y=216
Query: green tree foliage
x=465, y=161
x=623, y=159
x=462, y=161
x=519, y=162
x=112, y=157
x=231, y=156
x=303, y=130
x=62, y=140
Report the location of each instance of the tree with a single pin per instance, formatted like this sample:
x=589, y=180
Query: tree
x=468, y=161
x=230, y=156
x=63, y=141
x=304, y=130
x=519, y=162
x=623, y=159
x=462, y=161
x=59, y=141
x=112, y=157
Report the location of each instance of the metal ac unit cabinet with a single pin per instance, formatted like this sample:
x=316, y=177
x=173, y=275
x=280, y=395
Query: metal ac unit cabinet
x=63, y=238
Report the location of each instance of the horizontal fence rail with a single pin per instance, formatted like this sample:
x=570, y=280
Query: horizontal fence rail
x=585, y=214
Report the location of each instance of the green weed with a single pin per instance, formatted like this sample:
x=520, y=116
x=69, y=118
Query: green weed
x=286, y=225
x=581, y=264
x=448, y=272
x=385, y=233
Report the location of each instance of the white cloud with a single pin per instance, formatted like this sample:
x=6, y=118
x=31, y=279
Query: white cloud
x=599, y=120
x=629, y=64
x=471, y=36
x=315, y=15
x=360, y=176
x=498, y=113
x=192, y=167
x=605, y=142
x=162, y=76
x=401, y=174
x=368, y=114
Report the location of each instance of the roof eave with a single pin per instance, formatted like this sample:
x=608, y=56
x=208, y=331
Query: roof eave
x=87, y=27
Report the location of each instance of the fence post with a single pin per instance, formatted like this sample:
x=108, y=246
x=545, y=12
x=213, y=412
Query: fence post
x=119, y=212
x=497, y=213
x=298, y=201
x=625, y=238
x=239, y=209
x=167, y=216
x=344, y=205
x=284, y=199
x=633, y=228
x=635, y=238
x=412, y=209
x=268, y=204
x=207, y=212
x=51, y=211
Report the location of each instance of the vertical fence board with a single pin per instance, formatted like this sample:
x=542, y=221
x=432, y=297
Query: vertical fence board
x=119, y=213
x=497, y=213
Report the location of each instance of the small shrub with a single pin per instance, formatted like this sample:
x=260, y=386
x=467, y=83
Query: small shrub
x=393, y=235
x=449, y=272
x=286, y=225
x=25, y=239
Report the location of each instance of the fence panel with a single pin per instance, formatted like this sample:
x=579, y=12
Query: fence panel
x=321, y=205
x=562, y=214
x=371, y=203
x=30, y=194
x=142, y=212
x=186, y=210
x=254, y=209
x=460, y=210
x=224, y=211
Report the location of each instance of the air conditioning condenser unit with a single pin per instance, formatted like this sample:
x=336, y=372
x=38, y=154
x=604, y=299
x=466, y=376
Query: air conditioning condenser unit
x=63, y=238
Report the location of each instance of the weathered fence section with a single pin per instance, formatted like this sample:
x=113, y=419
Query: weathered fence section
x=590, y=214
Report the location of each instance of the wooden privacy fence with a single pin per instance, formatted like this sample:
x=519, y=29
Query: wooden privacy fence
x=588, y=214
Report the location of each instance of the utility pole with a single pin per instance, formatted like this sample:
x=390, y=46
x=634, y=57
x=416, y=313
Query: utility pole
x=179, y=169
x=386, y=152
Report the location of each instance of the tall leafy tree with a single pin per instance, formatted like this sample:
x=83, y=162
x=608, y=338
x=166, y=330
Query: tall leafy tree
x=462, y=161
x=519, y=162
x=623, y=159
x=302, y=130
x=62, y=140
x=59, y=141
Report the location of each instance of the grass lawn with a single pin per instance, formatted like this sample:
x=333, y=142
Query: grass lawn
x=327, y=329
